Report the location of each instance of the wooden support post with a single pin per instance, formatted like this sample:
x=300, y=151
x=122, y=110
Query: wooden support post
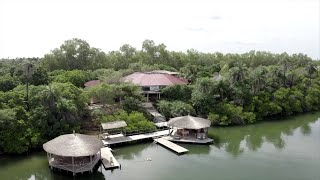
x=73, y=166
x=50, y=156
x=91, y=164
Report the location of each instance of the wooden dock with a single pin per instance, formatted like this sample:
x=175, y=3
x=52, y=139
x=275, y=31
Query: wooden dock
x=108, y=161
x=119, y=138
x=174, y=147
x=189, y=140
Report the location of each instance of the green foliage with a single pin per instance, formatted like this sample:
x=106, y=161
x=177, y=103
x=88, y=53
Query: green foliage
x=289, y=99
x=130, y=104
x=264, y=106
x=54, y=109
x=76, y=77
x=204, y=95
x=192, y=72
x=103, y=93
x=110, y=94
x=7, y=83
x=16, y=134
x=39, y=77
x=177, y=92
x=229, y=114
x=135, y=121
x=73, y=54
x=12, y=99
x=109, y=76
x=229, y=89
x=313, y=98
x=175, y=108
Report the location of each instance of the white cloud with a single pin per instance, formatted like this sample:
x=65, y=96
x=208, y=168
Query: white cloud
x=34, y=27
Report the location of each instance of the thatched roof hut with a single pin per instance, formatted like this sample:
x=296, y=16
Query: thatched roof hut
x=73, y=152
x=189, y=122
x=73, y=145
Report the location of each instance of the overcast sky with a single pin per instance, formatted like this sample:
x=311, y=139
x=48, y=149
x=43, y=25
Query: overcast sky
x=31, y=28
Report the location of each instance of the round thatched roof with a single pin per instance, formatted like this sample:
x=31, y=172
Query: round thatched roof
x=73, y=145
x=189, y=122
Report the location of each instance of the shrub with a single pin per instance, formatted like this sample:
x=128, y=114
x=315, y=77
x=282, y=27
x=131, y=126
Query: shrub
x=226, y=114
x=135, y=120
x=175, y=108
x=177, y=92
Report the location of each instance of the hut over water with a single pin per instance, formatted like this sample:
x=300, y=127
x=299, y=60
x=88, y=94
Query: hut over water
x=190, y=129
x=73, y=152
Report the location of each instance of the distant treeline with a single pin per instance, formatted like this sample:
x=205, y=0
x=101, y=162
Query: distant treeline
x=41, y=98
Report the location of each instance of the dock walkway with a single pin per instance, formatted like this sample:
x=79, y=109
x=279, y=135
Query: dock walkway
x=120, y=138
x=108, y=161
x=174, y=147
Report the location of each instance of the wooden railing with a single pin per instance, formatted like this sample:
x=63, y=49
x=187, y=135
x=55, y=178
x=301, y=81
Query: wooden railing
x=140, y=131
x=78, y=167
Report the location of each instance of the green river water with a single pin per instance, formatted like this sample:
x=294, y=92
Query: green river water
x=272, y=150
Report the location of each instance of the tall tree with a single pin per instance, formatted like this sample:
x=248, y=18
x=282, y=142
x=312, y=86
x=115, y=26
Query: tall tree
x=73, y=54
x=237, y=73
x=258, y=79
x=28, y=72
x=311, y=71
x=285, y=66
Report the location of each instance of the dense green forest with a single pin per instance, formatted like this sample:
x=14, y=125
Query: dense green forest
x=41, y=98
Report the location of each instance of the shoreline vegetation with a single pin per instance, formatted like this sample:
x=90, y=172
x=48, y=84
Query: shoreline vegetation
x=41, y=98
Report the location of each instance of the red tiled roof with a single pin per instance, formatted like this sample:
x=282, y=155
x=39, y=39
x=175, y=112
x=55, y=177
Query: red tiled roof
x=92, y=83
x=154, y=79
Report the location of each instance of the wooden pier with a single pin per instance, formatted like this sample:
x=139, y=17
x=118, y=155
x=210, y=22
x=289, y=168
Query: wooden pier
x=108, y=161
x=120, y=138
x=189, y=140
x=174, y=147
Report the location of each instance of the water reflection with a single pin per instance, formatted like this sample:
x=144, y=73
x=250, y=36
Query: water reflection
x=34, y=167
x=266, y=138
x=130, y=152
x=197, y=149
x=305, y=129
x=254, y=136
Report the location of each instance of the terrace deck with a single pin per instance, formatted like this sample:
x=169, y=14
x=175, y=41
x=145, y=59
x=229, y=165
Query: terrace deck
x=108, y=160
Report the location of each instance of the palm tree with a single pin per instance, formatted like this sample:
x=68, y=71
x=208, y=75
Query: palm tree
x=258, y=79
x=50, y=96
x=28, y=72
x=221, y=87
x=59, y=107
x=311, y=71
x=237, y=73
x=274, y=77
x=285, y=64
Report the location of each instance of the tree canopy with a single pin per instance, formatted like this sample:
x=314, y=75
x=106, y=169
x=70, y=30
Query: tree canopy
x=228, y=89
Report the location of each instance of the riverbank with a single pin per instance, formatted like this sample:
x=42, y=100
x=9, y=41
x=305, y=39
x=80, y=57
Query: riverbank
x=286, y=149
